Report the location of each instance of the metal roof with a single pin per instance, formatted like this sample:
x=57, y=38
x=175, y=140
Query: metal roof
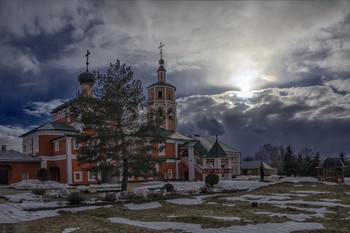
x=330, y=162
x=58, y=126
x=162, y=84
x=15, y=156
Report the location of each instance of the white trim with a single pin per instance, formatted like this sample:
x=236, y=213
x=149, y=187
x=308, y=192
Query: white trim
x=56, y=157
x=75, y=176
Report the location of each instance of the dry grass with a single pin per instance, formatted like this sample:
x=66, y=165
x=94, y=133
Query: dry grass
x=96, y=220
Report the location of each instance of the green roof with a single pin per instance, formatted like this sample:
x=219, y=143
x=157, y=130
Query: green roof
x=216, y=151
x=56, y=126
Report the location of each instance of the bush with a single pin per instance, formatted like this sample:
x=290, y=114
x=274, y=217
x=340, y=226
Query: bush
x=43, y=175
x=169, y=187
x=39, y=191
x=211, y=179
x=75, y=198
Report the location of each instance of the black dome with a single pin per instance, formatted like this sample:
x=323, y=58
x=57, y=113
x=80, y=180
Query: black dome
x=86, y=77
x=330, y=162
x=161, y=61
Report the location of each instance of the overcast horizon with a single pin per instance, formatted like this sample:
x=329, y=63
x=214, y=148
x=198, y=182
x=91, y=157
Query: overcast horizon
x=252, y=72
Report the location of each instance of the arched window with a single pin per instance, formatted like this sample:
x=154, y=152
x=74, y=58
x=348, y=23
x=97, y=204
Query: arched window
x=169, y=97
x=170, y=113
x=160, y=112
x=160, y=94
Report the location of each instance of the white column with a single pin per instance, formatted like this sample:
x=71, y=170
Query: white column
x=176, y=162
x=69, y=160
x=191, y=161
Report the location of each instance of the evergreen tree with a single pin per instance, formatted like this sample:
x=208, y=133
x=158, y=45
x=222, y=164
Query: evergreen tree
x=43, y=175
x=289, y=164
x=118, y=134
x=314, y=162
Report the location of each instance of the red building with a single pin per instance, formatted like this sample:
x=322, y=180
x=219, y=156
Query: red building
x=186, y=158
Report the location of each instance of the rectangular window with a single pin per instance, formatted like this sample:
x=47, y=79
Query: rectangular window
x=57, y=146
x=25, y=176
x=162, y=151
x=91, y=176
x=78, y=176
x=75, y=144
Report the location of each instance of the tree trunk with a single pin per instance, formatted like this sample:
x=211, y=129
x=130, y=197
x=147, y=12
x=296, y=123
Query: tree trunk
x=125, y=175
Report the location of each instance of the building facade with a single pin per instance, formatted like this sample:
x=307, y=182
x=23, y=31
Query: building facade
x=185, y=157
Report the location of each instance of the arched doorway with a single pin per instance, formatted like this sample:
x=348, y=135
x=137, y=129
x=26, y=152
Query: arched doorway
x=54, y=174
x=5, y=173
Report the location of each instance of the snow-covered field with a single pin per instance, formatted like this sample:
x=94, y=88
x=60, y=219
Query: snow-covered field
x=27, y=206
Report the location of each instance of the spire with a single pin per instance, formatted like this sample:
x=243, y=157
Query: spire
x=87, y=60
x=161, y=70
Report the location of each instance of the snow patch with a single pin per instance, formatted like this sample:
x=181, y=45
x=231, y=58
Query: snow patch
x=71, y=229
x=37, y=184
x=144, y=206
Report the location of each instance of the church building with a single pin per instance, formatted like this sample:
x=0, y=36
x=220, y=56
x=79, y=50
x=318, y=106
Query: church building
x=186, y=157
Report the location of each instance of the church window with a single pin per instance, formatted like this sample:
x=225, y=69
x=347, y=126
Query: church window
x=169, y=96
x=170, y=113
x=160, y=94
x=25, y=176
x=78, y=176
x=57, y=146
x=170, y=174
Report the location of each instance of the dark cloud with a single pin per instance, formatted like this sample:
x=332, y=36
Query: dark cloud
x=210, y=126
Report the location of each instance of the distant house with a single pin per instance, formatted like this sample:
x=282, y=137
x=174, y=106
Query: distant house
x=16, y=166
x=253, y=168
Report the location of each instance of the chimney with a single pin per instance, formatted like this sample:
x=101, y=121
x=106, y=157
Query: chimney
x=3, y=147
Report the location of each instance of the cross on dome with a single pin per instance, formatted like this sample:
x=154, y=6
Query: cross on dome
x=160, y=47
x=87, y=60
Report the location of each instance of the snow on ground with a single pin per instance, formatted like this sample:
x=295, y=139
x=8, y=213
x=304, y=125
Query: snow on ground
x=227, y=218
x=71, y=229
x=143, y=206
x=18, y=212
x=272, y=201
x=285, y=227
x=23, y=197
x=37, y=184
x=190, y=201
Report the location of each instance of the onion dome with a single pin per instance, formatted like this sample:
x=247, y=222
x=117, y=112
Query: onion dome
x=86, y=77
x=330, y=162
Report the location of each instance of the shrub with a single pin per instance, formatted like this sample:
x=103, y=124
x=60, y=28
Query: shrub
x=43, y=175
x=39, y=191
x=211, y=179
x=75, y=198
x=169, y=187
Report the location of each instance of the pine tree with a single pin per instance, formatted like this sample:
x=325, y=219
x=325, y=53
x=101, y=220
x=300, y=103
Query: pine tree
x=118, y=134
x=289, y=164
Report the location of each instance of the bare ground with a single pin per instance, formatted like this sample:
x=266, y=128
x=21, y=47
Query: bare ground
x=96, y=220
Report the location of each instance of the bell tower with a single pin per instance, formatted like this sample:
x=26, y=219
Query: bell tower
x=161, y=96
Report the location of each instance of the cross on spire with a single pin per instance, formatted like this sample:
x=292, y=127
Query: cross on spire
x=160, y=47
x=87, y=60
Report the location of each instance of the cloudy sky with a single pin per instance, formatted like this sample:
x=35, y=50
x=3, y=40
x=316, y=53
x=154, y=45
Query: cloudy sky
x=253, y=72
